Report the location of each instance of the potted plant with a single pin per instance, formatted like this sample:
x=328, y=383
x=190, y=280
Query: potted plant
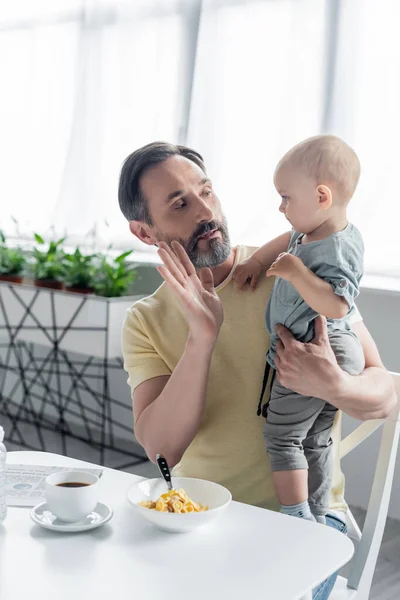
x=114, y=276
x=12, y=261
x=49, y=265
x=89, y=324
x=79, y=271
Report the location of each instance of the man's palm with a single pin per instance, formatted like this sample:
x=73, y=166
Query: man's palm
x=194, y=291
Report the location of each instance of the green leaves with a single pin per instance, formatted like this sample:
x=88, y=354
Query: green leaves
x=122, y=257
x=109, y=277
x=49, y=264
x=114, y=276
x=79, y=269
x=12, y=260
x=38, y=238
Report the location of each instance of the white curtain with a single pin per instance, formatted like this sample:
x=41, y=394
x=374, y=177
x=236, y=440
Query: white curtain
x=259, y=88
x=270, y=73
x=366, y=112
x=85, y=82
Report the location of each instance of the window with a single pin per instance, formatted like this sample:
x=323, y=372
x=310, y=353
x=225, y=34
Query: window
x=83, y=88
x=88, y=81
x=259, y=89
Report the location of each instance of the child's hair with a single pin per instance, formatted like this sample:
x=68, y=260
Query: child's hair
x=328, y=160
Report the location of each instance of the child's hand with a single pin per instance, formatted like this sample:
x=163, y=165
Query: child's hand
x=247, y=271
x=286, y=266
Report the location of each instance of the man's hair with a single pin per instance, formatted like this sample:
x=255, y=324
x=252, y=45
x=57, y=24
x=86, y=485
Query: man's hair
x=132, y=202
x=326, y=159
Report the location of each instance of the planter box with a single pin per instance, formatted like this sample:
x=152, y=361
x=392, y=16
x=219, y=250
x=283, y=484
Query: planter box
x=85, y=324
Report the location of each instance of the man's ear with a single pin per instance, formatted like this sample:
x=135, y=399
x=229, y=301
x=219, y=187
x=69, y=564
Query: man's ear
x=324, y=196
x=143, y=232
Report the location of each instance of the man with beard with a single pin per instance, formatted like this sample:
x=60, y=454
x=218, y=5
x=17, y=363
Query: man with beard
x=195, y=350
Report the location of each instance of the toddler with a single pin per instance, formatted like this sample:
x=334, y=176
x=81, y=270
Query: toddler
x=318, y=267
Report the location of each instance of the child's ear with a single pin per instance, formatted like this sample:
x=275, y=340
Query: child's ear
x=324, y=196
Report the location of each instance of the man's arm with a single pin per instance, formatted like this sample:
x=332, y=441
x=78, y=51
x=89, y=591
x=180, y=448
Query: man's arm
x=168, y=409
x=371, y=395
x=312, y=370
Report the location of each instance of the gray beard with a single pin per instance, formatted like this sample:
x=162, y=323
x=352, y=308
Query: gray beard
x=217, y=254
x=218, y=251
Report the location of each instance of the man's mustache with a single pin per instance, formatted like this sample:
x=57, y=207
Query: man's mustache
x=202, y=230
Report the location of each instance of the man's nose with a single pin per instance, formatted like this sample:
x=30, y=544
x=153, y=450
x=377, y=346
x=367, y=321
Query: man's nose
x=205, y=212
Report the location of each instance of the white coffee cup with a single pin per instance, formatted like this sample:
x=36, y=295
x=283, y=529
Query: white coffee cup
x=72, y=503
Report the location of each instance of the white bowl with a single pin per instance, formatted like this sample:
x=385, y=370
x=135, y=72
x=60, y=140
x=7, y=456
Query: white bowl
x=208, y=493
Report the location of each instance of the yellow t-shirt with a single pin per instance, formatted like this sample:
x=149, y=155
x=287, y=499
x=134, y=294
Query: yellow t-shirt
x=229, y=446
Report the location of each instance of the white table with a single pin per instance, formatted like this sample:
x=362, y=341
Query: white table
x=247, y=552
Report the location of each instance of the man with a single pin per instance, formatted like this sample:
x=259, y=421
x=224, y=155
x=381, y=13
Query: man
x=195, y=350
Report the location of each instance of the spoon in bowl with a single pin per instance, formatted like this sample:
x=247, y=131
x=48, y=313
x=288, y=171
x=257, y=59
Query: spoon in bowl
x=164, y=470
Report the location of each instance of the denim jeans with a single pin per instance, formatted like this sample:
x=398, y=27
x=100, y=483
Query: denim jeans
x=323, y=590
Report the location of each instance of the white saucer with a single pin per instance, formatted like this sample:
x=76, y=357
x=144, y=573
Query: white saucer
x=41, y=515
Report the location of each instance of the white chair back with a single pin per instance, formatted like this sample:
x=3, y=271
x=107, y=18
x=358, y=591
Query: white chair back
x=360, y=570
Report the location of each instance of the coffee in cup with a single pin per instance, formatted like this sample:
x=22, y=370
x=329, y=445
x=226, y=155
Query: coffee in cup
x=72, y=495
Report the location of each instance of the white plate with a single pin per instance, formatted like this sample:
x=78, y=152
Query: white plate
x=208, y=493
x=41, y=515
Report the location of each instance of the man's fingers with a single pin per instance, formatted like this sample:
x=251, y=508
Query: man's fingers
x=184, y=259
x=171, y=265
x=253, y=283
x=271, y=270
x=279, y=348
x=173, y=255
x=164, y=246
x=285, y=336
x=168, y=249
x=321, y=331
x=170, y=279
x=207, y=279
